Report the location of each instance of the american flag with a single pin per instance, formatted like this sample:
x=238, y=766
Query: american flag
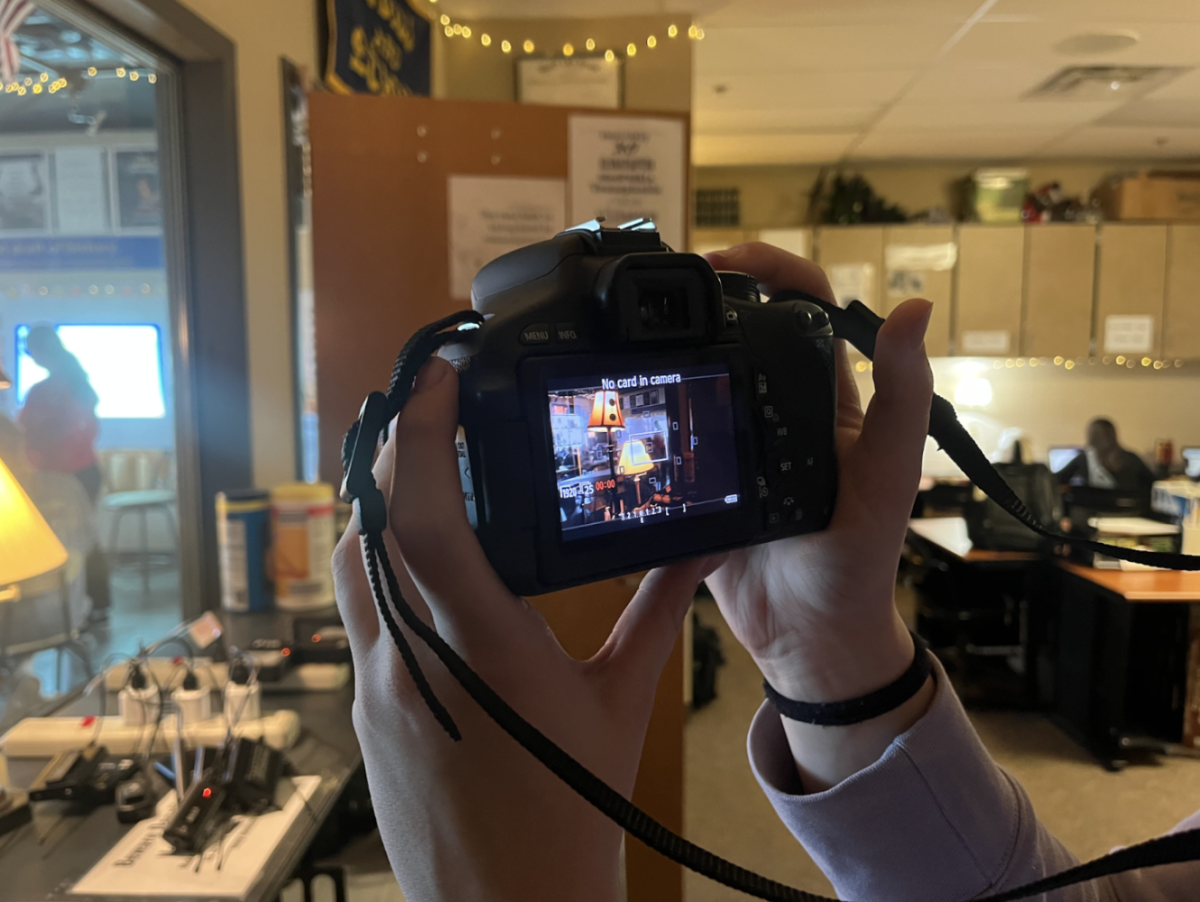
x=12, y=14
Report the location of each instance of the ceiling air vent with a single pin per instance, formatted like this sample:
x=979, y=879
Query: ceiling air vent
x=1103, y=82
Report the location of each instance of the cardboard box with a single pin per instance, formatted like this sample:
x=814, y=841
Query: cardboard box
x=1151, y=195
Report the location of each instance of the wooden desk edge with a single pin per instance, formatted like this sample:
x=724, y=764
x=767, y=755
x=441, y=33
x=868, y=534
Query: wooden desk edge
x=1141, y=585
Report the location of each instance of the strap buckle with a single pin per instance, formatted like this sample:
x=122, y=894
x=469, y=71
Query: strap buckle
x=358, y=482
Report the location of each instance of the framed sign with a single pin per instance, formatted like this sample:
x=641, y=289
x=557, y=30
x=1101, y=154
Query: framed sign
x=580, y=81
x=24, y=193
x=376, y=47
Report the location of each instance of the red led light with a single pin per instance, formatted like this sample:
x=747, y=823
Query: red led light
x=316, y=637
x=285, y=651
x=207, y=793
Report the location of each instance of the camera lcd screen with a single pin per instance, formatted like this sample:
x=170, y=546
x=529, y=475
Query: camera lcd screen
x=642, y=446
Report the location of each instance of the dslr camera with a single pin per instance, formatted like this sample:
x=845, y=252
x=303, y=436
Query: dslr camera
x=623, y=406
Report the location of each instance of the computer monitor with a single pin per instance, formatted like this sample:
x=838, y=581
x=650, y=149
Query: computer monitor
x=1061, y=455
x=123, y=362
x=1191, y=462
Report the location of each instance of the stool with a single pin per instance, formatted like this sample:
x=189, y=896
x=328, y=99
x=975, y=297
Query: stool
x=142, y=503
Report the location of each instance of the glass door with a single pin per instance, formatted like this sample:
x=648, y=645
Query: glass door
x=89, y=341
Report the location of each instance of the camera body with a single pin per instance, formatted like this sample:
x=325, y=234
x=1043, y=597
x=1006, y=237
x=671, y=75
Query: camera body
x=624, y=406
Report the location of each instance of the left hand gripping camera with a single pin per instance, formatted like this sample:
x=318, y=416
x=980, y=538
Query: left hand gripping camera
x=623, y=406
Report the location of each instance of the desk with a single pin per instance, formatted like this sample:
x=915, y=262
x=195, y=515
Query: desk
x=33, y=871
x=950, y=535
x=1122, y=657
x=1106, y=648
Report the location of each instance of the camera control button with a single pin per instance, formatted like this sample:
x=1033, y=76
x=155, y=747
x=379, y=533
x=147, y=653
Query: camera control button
x=769, y=413
x=566, y=332
x=536, y=334
x=760, y=385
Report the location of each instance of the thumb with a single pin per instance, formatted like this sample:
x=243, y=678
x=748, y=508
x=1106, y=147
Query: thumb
x=887, y=456
x=643, y=637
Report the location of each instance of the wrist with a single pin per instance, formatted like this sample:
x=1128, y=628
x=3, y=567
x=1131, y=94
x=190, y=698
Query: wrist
x=838, y=662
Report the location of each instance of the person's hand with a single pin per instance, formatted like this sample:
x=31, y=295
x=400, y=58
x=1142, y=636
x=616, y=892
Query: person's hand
x=481, y=818
x=816, y=612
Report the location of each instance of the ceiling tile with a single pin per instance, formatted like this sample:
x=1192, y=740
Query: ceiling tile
x=1108, y=141
x=823, y=119
x=944, y=144
x=979, y=83
x=836, y=12
x=907, y=116
x=1099, y=10
x=797, y=90
x=765, y=149
x=1161, y=44
x=1185, y=87
x=1156, y=113
x=825, y=47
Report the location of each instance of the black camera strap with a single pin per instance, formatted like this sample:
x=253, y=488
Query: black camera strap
x=370, y=511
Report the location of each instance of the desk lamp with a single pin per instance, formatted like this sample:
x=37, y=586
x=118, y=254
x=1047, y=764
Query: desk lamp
x=634, y=461
x=606, y=415
x=28, y=548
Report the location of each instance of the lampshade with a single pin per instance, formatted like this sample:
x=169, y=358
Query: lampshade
x=606, y=412
x=634, y=459
x=5, y=382
x=28, y=547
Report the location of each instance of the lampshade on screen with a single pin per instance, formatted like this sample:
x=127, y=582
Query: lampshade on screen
x=634, y=459
x=28, y=547
x=606, y=412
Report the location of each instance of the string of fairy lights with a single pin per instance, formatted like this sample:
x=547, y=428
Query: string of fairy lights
x=42, y=83
x=1116, y=361
x=453, y=29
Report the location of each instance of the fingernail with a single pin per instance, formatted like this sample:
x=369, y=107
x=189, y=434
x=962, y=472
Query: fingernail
x=917, y=337
x=428, y=376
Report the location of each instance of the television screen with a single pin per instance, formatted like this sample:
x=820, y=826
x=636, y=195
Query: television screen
x=123, y=362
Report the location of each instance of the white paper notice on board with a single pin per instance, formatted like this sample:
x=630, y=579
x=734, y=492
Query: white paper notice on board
x=492, y=215
x=1128, y=334
x=625, y=168
x=994, y=341
x=852, y=282
x=79, y=195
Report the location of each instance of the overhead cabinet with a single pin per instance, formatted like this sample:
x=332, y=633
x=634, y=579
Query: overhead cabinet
x=919, y=261
x=1060, y=281
x=991, y=271
x=1131, y=288
x=1181, y=316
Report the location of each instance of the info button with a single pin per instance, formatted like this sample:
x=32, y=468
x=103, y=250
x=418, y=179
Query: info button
x=566, y=332
x=536, y=334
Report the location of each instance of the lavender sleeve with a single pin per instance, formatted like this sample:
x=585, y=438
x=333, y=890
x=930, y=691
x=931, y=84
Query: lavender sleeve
x=935, y=820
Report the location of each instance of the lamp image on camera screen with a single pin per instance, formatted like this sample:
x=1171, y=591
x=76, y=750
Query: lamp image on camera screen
x=642, y=447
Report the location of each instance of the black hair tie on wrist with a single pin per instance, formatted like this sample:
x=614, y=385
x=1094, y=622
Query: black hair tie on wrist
x=865, y=707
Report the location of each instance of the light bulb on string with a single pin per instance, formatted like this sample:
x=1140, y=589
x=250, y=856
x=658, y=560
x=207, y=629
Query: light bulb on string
x=672, y=31
x=527, y=46
x=631, y=50
x=652, y=42
x=568, y=50
x=609, y=56
x=505, y=46
x=590, y=45
x=485, y=39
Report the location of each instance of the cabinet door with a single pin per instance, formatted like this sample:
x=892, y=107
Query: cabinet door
x=991, y=271
x=1130, y=290
x=1181, y=319
x=1060, y=278
x=919, y=262
x=798, y=241
x=852, y=257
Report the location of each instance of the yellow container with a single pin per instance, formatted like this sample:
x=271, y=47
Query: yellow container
x=302, y=540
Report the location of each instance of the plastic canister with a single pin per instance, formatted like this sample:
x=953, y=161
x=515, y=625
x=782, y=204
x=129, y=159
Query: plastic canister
x=243, y=546
x=302, y=544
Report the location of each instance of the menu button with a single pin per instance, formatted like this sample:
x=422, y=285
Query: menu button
x=536, y=334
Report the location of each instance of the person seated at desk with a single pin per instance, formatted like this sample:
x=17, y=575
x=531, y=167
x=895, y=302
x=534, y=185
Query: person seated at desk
x=906, y=805
x=1104, y=464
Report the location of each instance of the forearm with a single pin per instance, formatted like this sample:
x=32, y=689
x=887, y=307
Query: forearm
x=932, y=817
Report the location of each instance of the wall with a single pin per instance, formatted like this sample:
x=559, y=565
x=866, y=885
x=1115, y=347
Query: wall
x=265, y=30
x=658, y=79
x=1052, y=405
x=777, y=196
